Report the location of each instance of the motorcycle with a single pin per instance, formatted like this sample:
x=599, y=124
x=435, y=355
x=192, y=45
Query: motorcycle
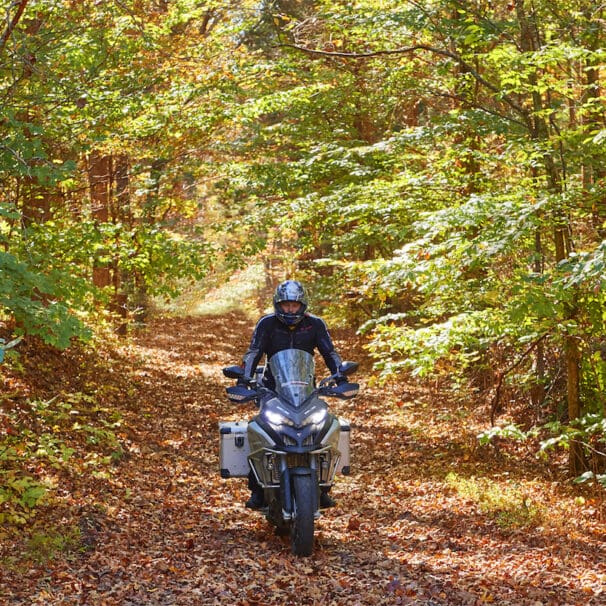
x=293, y=446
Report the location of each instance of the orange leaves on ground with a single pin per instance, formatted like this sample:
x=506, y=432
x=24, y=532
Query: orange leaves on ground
x=164, y=529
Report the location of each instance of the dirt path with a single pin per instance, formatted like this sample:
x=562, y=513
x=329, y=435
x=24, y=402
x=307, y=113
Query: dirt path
x=169, y=531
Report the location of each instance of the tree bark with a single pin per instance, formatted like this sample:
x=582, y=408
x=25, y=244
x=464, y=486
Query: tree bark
x=592, y=174
x=12, y=24
x=577, y=462
x=99, y=176
x=36, y=202
x=537, y=389
x=530, y=42
x=121, y=212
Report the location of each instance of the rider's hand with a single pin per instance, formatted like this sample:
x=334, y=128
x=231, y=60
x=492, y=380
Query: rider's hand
x=339, y=379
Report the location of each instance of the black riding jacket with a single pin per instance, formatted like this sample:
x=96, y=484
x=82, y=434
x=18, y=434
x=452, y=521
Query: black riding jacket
x=271, y=336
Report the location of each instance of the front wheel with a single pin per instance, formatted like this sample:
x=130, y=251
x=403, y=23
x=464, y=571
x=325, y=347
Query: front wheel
x=302, y=529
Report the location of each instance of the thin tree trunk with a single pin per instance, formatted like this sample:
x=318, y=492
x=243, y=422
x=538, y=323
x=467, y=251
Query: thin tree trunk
x=592, y=174
x=121, y=212
x=577, y=462
x=99, y=176
x=36, y=202
x=537, y=390
x=530, y=42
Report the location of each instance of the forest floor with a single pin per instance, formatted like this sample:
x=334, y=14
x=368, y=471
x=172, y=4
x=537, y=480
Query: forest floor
x=427, y=516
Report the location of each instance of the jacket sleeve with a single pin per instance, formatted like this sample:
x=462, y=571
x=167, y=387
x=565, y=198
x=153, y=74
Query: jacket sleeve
x=256, y=349
x=327, y=349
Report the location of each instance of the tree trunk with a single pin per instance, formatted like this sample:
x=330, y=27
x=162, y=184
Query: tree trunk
x=577, y=462
x=592, y=173
x=99, y=176
x=36, y=202
x=121, y=212
x=531, y=42
x=537, y=389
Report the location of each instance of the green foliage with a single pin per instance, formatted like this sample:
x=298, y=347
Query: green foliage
x=51, y=436
x=434, y=172
x=32, y=300
x=19, y=496
x=447, y=196
x=119, y=84
x=455, y=344
x=165, y=258
x=589, y=430
x=506, y=503
x=508, y=432
x=51, y=543
x=591, y=476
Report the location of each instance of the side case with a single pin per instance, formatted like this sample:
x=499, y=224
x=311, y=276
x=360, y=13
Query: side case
x=234, y=449
x=343, y=467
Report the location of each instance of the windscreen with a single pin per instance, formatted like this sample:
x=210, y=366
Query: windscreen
x=293, y=370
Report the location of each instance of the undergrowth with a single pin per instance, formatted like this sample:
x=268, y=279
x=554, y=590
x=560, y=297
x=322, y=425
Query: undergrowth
x=44, y=444
x=508, y=505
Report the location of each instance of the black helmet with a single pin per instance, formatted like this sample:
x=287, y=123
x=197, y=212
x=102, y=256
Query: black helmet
x=291, y=290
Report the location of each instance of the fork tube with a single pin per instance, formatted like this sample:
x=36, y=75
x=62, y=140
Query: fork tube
x=285, y=488
x=313, y=462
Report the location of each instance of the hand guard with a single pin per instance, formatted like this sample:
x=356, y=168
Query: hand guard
x=245, y=382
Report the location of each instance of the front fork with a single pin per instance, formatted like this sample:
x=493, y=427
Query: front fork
x=286, y=496
x=319, y=464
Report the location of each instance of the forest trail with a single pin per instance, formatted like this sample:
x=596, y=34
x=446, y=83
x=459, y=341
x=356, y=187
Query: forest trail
x=164, y=528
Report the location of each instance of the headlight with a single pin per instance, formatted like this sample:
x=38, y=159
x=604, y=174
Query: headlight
x=276, y=419
x=316, y=418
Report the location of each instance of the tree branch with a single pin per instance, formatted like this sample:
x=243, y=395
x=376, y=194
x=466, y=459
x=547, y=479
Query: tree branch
x=411, y=49
x=501, y=375
x=12, y=24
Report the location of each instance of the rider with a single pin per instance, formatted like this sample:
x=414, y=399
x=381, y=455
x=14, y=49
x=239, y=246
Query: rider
x=289, y=327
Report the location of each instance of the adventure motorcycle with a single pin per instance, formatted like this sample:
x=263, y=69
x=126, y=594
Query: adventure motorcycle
x=293, y=446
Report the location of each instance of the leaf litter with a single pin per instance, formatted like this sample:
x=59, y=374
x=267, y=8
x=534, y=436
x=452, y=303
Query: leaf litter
x=164, y=529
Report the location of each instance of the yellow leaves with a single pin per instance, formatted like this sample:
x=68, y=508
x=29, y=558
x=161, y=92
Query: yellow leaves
x=280, y=20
